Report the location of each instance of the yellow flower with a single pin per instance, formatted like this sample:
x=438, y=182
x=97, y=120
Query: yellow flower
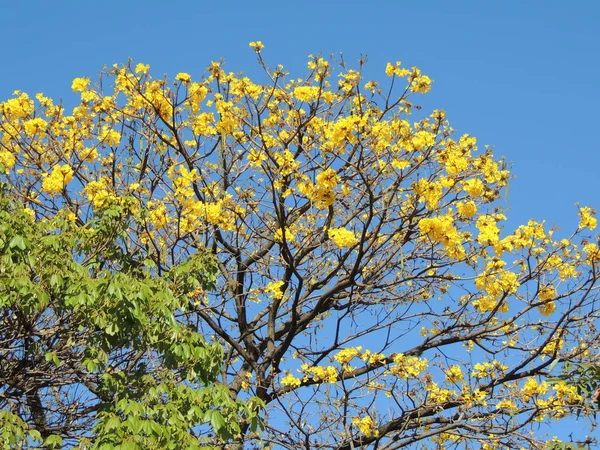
x=306, y=93
x=257, y=46
x=273, y=289
x=142, y=68
x=366, y=425
x=435, y=394
x=394, y=69
x=587, y=218
x=34, y=126
x=400, y=164
x=466, y=209
x=183, y=77
x=328, y=374
x=546, y=294
x=7, y=159
x=57, y=180
x=474, y=187
x=291, y=380
x=532, y=388
x=158, y=215
x=289, y=236
x=421, y=84
x=348, y=354
x=342, y=237
x=488, y=369
x=508, y=405
x=454, y=374
x=80, y=84
x=488, y=228
x=256, y=157
x=407, y=366
x=328, y=179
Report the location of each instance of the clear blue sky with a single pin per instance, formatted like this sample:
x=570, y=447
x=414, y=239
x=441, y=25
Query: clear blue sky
x=520, y=75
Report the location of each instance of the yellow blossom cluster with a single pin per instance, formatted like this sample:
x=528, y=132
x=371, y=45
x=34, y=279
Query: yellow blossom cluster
x=488, y=369
x=348, y=354
x=437, y=394
x=56, y=181
x=366, y=425
x=342, y=237
x=327, y=374
x=454, y=374
x=587, y=219
x=495, y=282
x=291, y=380
x=407, y=366
x=487, y=224
x=441, y=229
x=274, y=289
x=322, y=192
x=289, y=235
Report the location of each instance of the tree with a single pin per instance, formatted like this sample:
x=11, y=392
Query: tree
x=92, y=352
x=367, y=293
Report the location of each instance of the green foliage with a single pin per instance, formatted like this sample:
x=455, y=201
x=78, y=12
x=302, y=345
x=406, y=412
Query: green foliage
x=96, y=351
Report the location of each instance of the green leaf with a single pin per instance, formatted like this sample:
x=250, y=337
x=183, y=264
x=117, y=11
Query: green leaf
x=53, y=441
x=19, y=242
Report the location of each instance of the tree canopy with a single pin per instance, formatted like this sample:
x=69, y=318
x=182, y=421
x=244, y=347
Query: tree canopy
x=344, y=248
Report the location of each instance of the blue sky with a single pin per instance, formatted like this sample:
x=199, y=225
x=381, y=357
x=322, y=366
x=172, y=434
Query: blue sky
x=520, y=75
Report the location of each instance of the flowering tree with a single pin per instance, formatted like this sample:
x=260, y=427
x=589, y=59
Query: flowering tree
x=367, y=293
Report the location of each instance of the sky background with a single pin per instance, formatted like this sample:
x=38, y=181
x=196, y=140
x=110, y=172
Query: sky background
x=520, y=75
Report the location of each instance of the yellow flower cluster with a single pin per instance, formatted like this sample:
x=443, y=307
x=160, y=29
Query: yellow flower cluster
x=476, y=397
x=473, y=187
x=419, y=83
x=100, y=194
x=322, y=192
x=373, y=358
x=348, y=354
x=291, y=380
x=429, y=192
x=487, y=225
x=273, y=289
x=395, y=69
x=183, y=77
x=496, y=282
x=587, y=219
x=214, y=213
x=342, y=237
x=441, y=229
x=466, y=209
x=7, y=159
x=546, y=294
x=454, y=374
x=327, y=374
x=306, y=93
x=35, y=126
x=57, y=180
x=567, y=394
x=532, y=388
x=289, y=235
x=286, y=163
x=436, y=394
x=508, y=405
x=158, y=215
x=405, y=367
x=80, y=84
x=257, y=46
x=488, y=369
x=366, y=425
